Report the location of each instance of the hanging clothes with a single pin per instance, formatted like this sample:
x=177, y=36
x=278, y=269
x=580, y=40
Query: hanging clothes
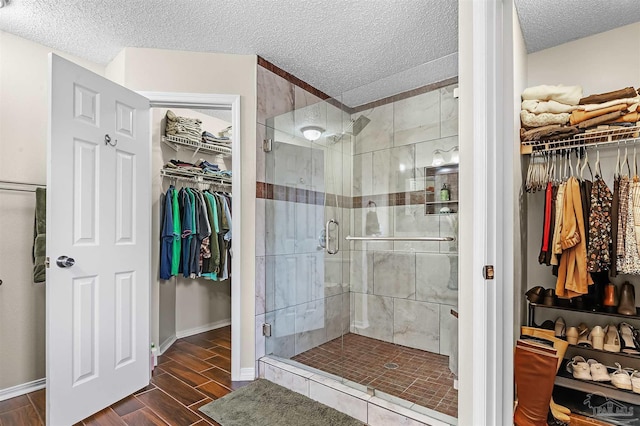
x=631, y=257
x=166, y=244
x=196, y=234
x=546, y=224
x=573, y=278
x=556, y=246
x=623, y=214
x=599, y=243
x=615, y=206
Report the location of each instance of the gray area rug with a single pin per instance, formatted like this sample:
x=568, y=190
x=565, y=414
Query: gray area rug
x=263, y=403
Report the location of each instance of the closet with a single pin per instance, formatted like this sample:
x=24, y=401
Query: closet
x=608, y=153
x=199, y=301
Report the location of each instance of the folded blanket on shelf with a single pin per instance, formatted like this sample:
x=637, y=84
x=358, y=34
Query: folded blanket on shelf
x=538, y=120
x=568, y=95
x=539, y=107
x=600, y=119
x=593, y=107
x=631, y=117
x=580, y=116
x=548, y=132
x=39, y=237
x=627, y=92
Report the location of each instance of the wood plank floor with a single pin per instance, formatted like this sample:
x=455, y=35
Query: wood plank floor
x=190, y=374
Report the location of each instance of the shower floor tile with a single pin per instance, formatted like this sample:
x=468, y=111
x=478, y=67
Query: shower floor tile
x=421, y=377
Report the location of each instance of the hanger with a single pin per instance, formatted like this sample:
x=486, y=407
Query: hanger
x=597, y=166
x=626, y=160
x=586, y=160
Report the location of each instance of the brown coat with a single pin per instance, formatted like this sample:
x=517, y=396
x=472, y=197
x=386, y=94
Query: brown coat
x=573, y=278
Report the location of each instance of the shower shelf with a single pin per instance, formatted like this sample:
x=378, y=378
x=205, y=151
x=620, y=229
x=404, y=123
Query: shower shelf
x=442, y=202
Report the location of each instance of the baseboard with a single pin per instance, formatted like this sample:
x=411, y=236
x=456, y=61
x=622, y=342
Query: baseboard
x=203, y=328
x=247, y=374
x=22, y=389
x=166, y=344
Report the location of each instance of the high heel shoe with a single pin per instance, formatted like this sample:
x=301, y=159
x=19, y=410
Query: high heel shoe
x=611, y=339
x=597, y=337
x=583, y=336
x=627, y=339
x=572, y=336
x=560, y=327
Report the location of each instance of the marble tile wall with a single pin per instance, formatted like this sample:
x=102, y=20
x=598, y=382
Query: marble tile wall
x=300, y=290
x=400, y=292
x=403, y=292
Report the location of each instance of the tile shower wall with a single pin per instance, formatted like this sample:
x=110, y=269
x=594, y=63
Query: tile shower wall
x=403, y=292
x=300, y=290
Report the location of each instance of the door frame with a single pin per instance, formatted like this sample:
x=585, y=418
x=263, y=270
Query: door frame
x=487, y=211
x=238, y=316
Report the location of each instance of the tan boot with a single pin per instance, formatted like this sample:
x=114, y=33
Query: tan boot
x=535, y=373
x=558, y=411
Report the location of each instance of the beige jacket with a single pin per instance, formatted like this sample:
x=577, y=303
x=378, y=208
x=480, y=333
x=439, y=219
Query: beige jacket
x=573, y=277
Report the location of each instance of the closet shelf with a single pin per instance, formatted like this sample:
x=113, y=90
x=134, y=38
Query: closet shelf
x=177, y=142
x=596, y=352
x=533, y=306
x=566, y=380
x=195, y=177
x=589, y=138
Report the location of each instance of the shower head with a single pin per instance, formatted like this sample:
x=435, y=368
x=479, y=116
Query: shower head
x=356, y=126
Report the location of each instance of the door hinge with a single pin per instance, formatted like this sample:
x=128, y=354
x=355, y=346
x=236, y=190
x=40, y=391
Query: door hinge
x=46, y=262
x=487, y=272
x=267, y=144
x=266, y=330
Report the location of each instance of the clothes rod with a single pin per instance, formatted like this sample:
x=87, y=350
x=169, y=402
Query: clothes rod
x=350, y=238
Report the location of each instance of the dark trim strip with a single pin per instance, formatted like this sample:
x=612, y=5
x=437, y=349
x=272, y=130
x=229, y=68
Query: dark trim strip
x=408, y=94
x=292, y=78
x=269, y=191
x=302, y=84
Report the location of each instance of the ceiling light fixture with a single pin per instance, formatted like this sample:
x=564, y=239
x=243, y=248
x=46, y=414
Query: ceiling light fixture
x=3, y=3
x=311, y=133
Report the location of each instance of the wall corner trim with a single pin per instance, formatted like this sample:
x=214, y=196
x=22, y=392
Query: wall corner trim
x=247, y=374
x=22, y=389
x=203, y=328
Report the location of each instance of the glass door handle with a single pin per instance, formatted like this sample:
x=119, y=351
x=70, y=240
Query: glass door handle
x=326, y=230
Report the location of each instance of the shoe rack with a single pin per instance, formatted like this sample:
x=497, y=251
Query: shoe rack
x=539, y=312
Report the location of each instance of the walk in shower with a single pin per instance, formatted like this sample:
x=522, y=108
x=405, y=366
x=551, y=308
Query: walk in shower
x=351, y=289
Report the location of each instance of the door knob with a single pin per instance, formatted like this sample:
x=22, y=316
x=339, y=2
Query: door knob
x=65, y=262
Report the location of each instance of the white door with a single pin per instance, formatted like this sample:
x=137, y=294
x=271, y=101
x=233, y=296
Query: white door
x=98, y=214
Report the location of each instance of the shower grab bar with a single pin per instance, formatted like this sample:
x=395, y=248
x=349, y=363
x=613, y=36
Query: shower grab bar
x=350, y=238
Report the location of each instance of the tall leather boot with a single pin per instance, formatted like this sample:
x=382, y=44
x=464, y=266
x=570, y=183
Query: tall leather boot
x=559, y=412
x=627, y=305
x=535, y=373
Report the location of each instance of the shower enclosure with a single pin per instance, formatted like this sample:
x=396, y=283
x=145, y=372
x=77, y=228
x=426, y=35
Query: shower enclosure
x=351, y=289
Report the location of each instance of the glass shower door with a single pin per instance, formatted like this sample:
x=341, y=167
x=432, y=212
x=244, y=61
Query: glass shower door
x=306, y=293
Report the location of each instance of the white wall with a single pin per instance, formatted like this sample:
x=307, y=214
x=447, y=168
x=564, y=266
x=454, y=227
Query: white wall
x=24, y=114
x=178, y=71
x=520, y=61
x=600, y=63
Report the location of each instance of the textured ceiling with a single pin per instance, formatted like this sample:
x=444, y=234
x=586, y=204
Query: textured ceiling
x=334, y=45
x=357, y=50
x=548, y=23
